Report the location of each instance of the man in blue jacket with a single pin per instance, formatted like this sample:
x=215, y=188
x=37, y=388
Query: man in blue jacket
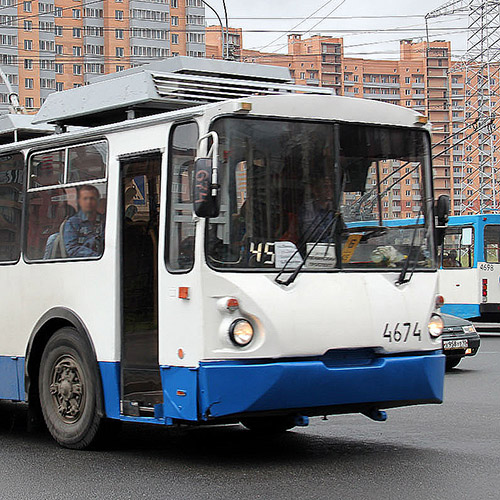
x=84, y=232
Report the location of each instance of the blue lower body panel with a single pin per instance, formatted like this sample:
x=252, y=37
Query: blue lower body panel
x=465, y=311
x=237, y=388
x=12, y=378
x=234, y=388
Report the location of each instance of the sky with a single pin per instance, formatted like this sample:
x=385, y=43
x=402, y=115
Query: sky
x=264, y=21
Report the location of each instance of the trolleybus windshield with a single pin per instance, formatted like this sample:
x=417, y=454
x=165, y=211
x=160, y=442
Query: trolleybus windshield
x=283, y=183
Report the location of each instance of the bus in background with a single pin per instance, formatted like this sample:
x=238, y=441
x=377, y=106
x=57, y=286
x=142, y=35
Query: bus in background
x=195, y=254
x=470, y=263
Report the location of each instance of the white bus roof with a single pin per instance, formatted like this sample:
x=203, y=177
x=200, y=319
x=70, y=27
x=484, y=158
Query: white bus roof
x=295, y=106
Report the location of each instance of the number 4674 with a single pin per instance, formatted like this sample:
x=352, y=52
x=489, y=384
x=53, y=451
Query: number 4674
x=402, y=332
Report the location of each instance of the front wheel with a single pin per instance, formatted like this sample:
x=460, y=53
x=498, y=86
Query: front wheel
x=451, y=363
x=269, y=425
x=70, y=390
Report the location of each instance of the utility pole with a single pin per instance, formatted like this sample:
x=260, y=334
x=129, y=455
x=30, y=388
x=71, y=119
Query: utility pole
x=479, y=185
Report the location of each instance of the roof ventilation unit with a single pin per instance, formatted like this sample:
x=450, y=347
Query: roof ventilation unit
x=175, y=83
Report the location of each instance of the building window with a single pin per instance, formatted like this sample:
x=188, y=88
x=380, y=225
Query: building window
x=175, y=38
x=119, y=34
x=175, y=21
x=28, y=44
x=27, y=7
x=58, y=12
x=28, y=83
x=59, y=68
x=120, y=68
x=28, y=64
x=120, y=52
x=77, y=69
x=29, y=102
x=59, y=86
x=174, y=4
x=77, y=32
x=76, y=14
x=119, y=15
x=28, y=25
x=59, y=50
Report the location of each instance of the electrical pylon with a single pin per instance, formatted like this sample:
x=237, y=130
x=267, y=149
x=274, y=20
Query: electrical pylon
x=479, y=169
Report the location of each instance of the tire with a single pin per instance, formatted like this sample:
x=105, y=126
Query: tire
x=70, y=390
x=269, y=425
x=451, y=363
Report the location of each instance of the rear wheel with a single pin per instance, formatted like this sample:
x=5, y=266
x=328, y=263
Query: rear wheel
x=451, y=363
x=70, y=390
x=269, y=425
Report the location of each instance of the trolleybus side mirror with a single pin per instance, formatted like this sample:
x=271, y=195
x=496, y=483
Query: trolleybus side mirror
x=442, y=214
x=206, y=186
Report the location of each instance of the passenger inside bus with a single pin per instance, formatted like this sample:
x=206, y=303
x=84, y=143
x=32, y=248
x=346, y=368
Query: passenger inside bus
x=83, y=233
x=451, y=260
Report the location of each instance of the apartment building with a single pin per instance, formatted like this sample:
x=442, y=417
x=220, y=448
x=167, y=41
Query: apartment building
x=53, y=45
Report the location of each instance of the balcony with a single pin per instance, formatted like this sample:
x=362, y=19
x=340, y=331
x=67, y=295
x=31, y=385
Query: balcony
x=384, y=97
x=457, y=86
x=349, y=82
x=313, y=81
x=396, y=209
x=396, y=197
x=347, y=93
x=416, y=209
x=415, y=186
x=418, y=85
x=381, y=85
x=418, y=96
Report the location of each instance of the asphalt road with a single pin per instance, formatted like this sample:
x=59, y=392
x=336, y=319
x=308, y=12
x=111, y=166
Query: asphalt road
x=451, y=451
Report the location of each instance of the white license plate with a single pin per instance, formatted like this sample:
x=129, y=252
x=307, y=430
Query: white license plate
x=455, y=344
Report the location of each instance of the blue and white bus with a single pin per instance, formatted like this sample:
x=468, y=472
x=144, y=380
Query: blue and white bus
x=470, y=262
x=195, y=263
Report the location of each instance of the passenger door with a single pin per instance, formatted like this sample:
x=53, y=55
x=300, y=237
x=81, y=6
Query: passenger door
x=140, y=211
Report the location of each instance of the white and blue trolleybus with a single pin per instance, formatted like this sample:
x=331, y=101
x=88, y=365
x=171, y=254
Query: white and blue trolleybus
x=201, y=242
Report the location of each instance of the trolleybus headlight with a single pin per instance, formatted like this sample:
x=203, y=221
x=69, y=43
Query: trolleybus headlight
x=241, y=332
x=436, y=326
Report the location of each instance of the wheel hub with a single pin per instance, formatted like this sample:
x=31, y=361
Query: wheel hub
x=67, y=389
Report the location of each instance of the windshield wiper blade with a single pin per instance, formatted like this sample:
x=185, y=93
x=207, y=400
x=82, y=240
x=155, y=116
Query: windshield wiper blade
x=299, y=268
x=404, y=270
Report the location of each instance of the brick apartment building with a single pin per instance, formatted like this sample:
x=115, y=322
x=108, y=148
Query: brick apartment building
x=420, y=80
x=59, y=44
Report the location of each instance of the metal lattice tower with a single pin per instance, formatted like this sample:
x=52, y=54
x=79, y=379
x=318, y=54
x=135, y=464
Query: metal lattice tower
x=480, y=182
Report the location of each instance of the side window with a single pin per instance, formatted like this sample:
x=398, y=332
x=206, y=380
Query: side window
x=11, y=201
x=492, y=244
x=66, y=218
x=458, y=247
x=181, y=228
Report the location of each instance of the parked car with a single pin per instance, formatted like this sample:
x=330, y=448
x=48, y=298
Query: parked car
x=460, y=339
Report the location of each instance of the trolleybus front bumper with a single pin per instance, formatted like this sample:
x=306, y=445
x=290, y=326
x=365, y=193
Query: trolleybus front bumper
x=347, y=382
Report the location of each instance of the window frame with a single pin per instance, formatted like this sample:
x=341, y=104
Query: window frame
x=168, y=198
x=424, y=181
x=23, y=210
x=93, y=182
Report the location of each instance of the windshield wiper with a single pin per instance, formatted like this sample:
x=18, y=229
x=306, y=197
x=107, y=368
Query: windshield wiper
x=299, y=268
x=404, y=270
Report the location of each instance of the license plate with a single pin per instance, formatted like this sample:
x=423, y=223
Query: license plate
x=455, y=344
